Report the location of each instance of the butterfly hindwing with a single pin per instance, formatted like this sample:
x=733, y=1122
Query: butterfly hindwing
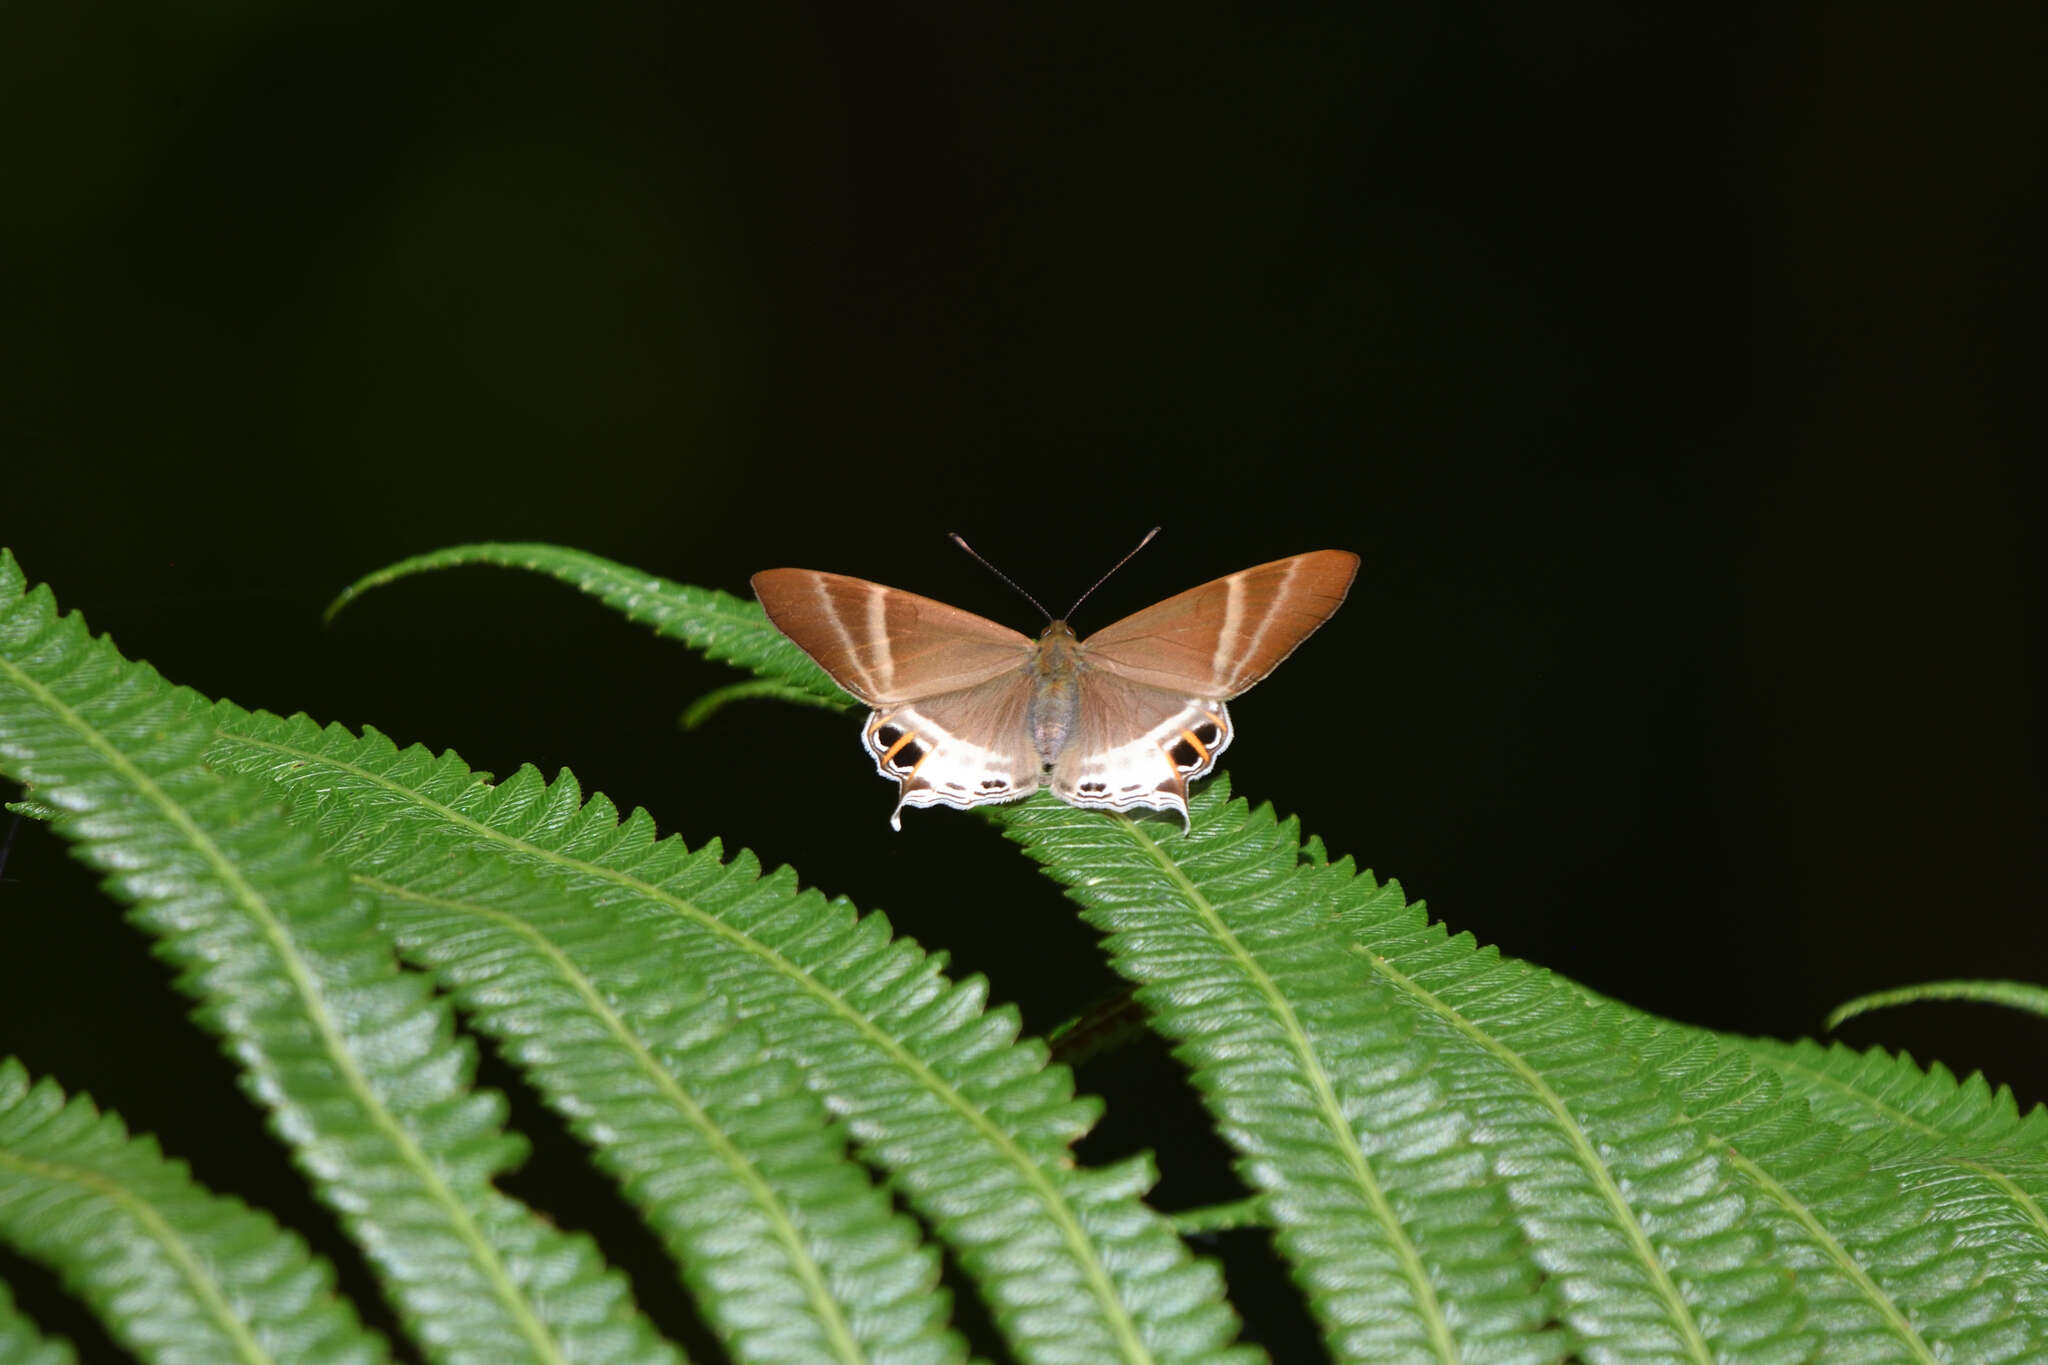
x=959, y=749
x=1137, y=746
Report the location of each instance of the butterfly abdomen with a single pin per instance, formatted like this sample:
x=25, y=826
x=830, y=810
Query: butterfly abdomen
x=1055, y=694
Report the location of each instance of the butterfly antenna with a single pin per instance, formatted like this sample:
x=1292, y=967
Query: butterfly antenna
x=1112, y=569
x=955, y=536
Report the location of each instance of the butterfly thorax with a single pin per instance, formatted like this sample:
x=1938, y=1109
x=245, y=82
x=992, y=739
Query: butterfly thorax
x=1055, y=693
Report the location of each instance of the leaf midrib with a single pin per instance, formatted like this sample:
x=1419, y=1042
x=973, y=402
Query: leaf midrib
x=1905, y=1119
x=1581, y=1143
x=1797, y=1209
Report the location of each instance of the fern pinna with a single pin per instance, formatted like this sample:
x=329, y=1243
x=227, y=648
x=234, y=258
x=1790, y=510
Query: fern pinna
x=1460, y=1157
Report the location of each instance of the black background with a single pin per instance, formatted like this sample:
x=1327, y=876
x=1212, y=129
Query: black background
x=1672, y=368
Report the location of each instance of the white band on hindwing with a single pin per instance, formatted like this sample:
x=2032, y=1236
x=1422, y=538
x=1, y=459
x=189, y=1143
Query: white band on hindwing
x=934, y=767
x=1153, y=771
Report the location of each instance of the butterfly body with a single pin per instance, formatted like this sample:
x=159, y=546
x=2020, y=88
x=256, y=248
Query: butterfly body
x=967, y=712
x=1055, y=690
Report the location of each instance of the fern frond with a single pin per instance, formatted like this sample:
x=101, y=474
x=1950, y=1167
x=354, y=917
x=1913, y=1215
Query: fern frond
x=1664, y=1237
x=177, y=1273
x=1680, y=1203
x=1877, y=1284
x=712, y=702
x=1905, y=1263
x=793, y=1256
x=1890, y=1268
x=1380, y=1201
x=1968, y=1145
x=356, y=1061
x=1900, y=1109
x=22, y=1344
x=724, y=628
x=2019, y=995
x=973, y=1127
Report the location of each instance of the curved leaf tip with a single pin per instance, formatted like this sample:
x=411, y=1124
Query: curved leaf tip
x=2019, y=995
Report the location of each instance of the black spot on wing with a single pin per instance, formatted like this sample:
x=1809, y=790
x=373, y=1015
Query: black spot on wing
x=1207, y=732
x=887, y=735
x=1185, y=755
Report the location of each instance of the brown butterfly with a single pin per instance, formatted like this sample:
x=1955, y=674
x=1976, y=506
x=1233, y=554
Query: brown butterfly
x=967, y=712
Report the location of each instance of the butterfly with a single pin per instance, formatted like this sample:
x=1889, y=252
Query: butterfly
x=966, y=712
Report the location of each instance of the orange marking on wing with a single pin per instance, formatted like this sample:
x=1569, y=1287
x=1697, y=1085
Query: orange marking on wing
x=1200, y=748
x=898, y=745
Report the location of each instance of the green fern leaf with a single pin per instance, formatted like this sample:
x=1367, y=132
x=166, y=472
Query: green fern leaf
x=724, y=628
x=1901, y=1109
x=760, y=689
x=179, y=1274
x=973, y=1127
x=1666, y=1238
x=1678, y=1194
x=792, y=1254
x=1984, y=1164
x=1905, y=1258
x=1954, y=1168
x=356, y=1061
x=1319, y=1075
x=2019, y=995
x=1891, y=1267
x=22, y=1344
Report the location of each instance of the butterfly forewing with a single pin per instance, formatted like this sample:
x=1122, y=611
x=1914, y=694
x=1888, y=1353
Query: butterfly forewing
x=883, y=645
x=1221, y=638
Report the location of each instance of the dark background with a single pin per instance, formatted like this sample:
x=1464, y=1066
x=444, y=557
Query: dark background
x=1672, y=368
